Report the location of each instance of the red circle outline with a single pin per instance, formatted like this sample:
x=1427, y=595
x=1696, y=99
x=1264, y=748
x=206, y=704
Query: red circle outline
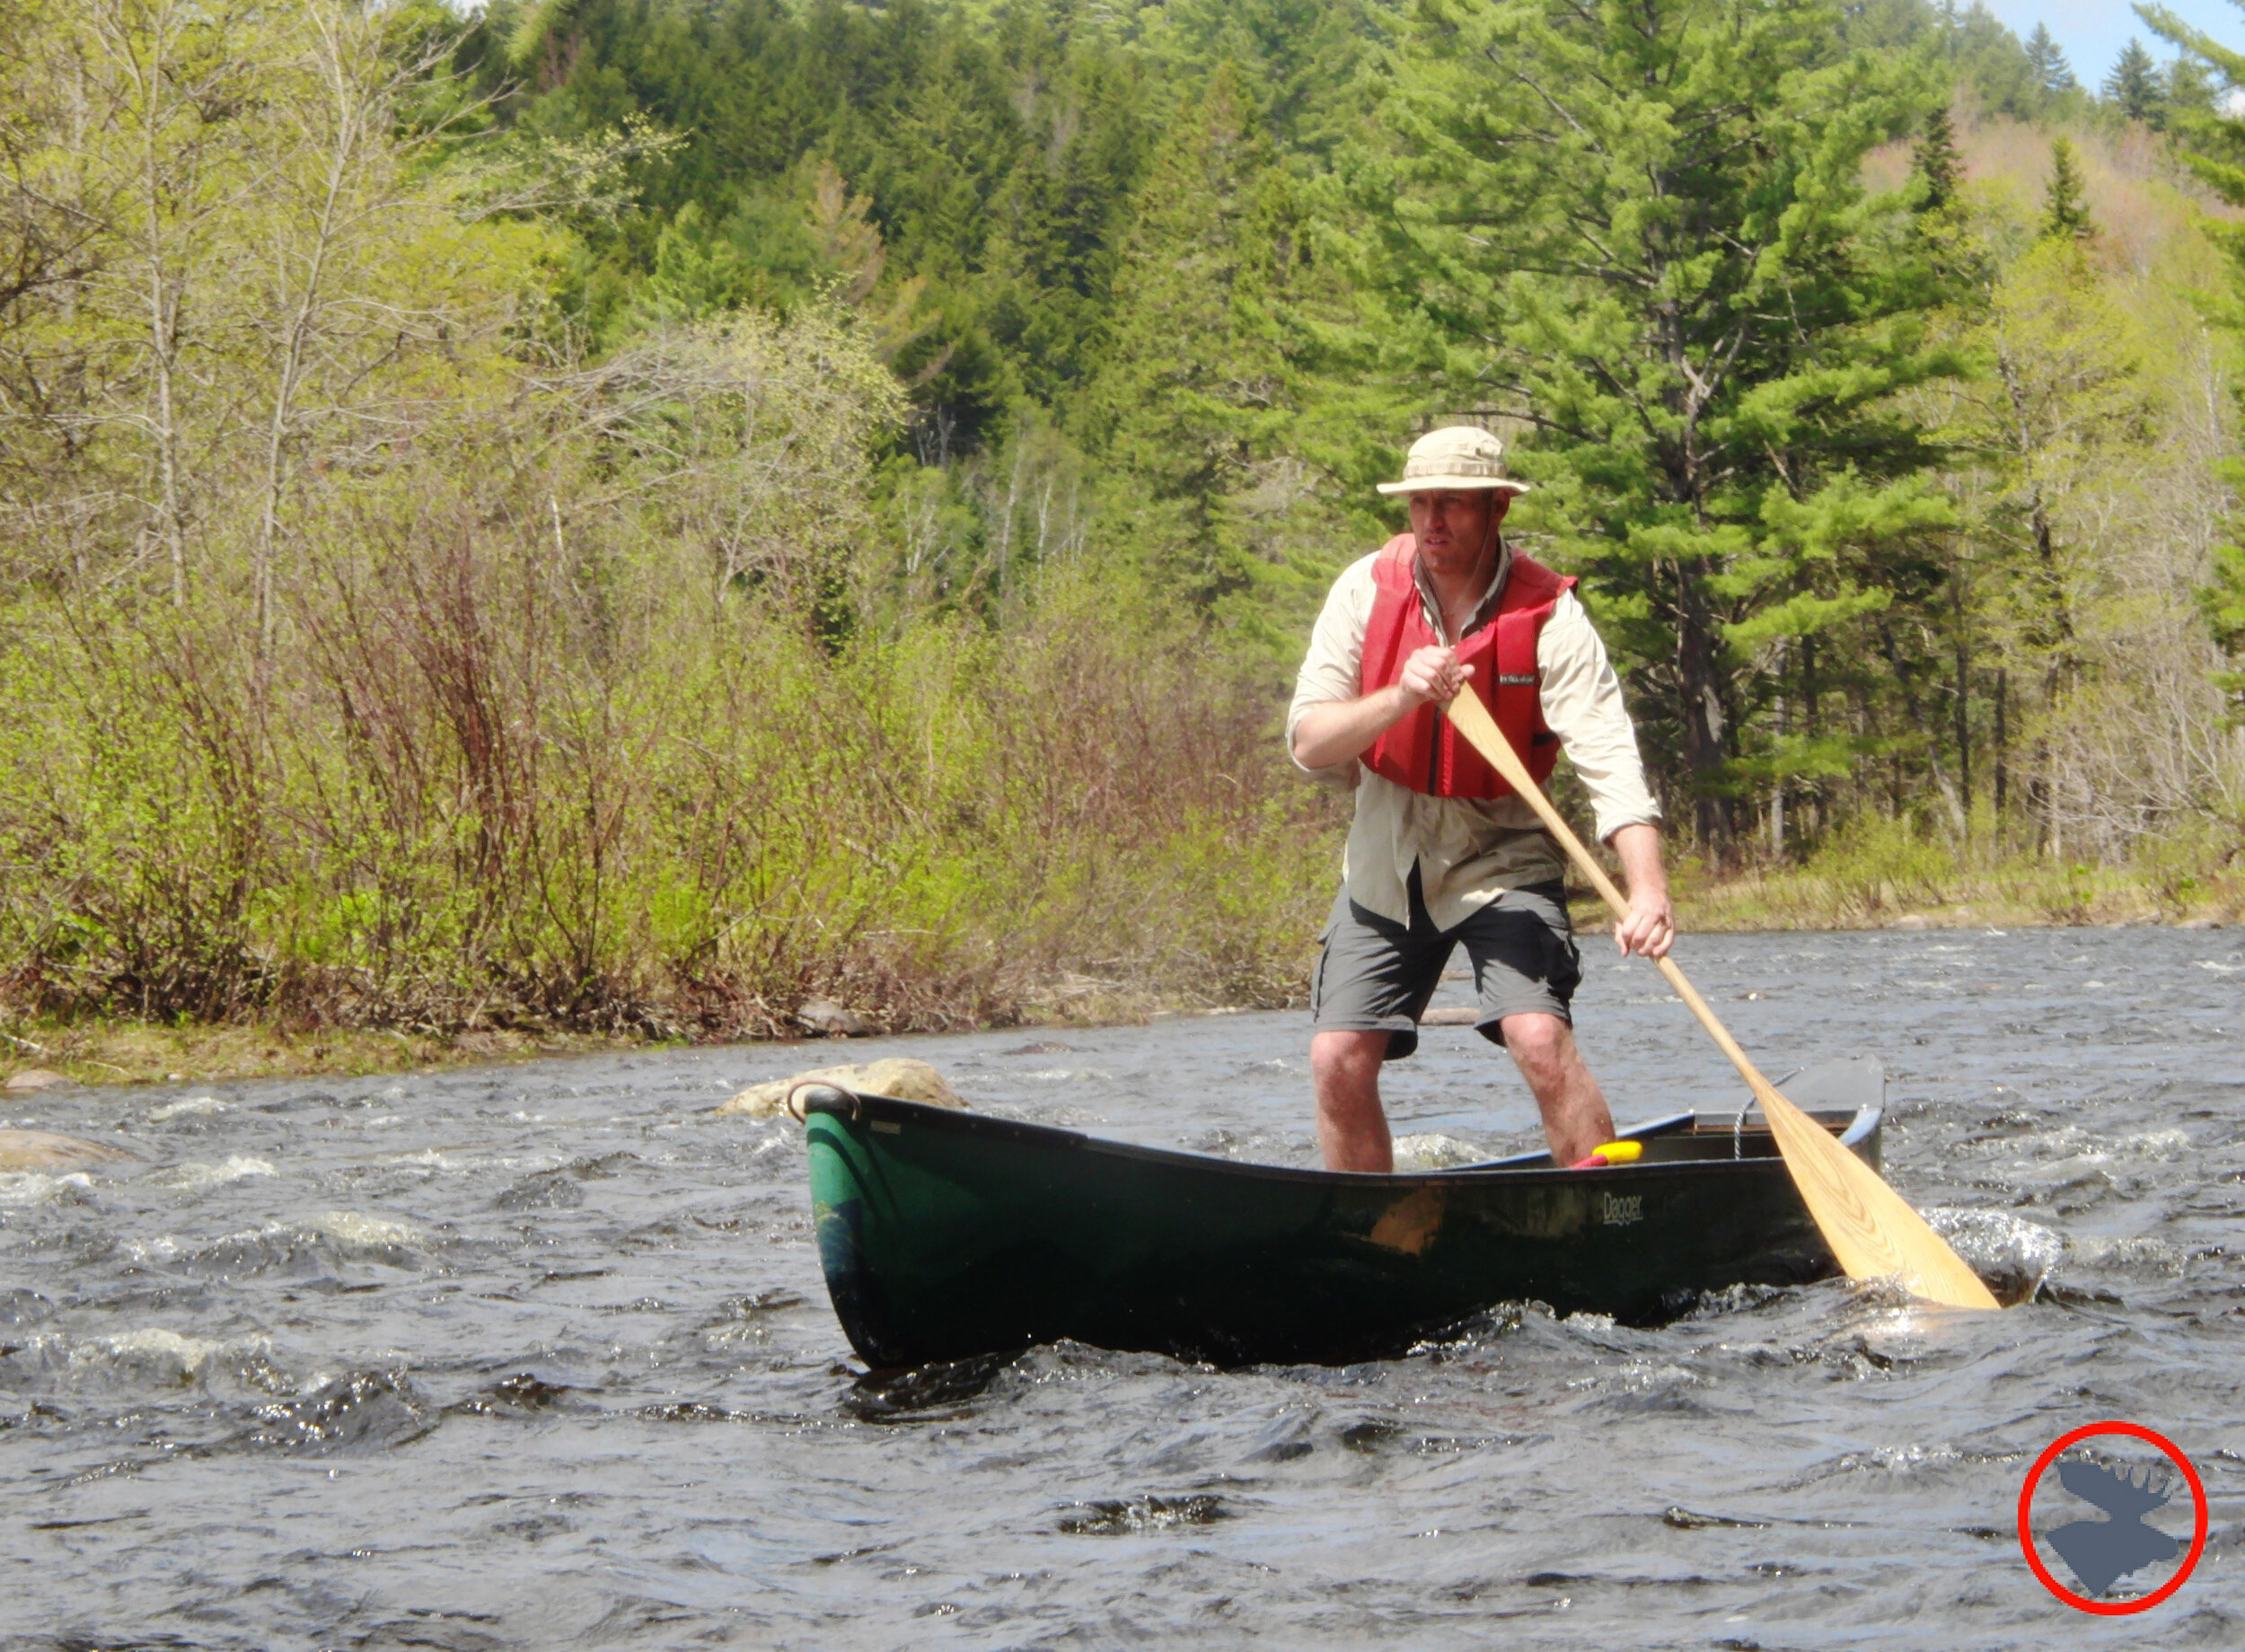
x=2112, y=1609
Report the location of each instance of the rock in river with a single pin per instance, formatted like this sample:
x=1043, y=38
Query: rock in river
x=44, y=1150
x=824, y=1015
x=905, y=1079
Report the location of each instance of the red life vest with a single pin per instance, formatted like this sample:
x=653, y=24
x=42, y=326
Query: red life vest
x=1424, y=751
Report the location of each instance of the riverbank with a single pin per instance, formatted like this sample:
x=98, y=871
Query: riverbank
x=41, y=1053
x=1816, y=897
x=1888, y=878
x=136, y=1053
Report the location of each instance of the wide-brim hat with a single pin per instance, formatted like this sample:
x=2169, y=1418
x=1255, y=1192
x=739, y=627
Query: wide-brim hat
x=1452, y=459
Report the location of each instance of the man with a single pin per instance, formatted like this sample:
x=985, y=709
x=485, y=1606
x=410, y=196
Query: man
x=1441, y=851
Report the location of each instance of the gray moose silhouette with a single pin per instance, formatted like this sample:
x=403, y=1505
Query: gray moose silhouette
x=2103, y=1551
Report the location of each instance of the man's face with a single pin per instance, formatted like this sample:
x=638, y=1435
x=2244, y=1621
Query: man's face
x=1454, y=525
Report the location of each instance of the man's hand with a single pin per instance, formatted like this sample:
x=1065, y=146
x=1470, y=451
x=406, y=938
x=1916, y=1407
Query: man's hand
x=1432, y=673
x=1648, y=928
x=1341, y=731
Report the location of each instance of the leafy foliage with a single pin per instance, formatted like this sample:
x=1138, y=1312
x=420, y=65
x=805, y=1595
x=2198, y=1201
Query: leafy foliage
x=1642, y=238
x=631, y=512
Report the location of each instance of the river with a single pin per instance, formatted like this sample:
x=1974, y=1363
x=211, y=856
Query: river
x=539, y=1356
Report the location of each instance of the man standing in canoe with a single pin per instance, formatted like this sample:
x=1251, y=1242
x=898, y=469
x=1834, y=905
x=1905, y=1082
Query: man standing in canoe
x=1441, y=851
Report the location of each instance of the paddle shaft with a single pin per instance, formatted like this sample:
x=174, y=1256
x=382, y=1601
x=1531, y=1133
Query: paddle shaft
x=1873, y=1232
x=1499, y=751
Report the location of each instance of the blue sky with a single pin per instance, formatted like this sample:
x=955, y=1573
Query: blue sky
x=2091, y=32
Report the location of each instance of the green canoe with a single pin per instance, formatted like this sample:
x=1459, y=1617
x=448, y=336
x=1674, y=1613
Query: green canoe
x=946, y=1234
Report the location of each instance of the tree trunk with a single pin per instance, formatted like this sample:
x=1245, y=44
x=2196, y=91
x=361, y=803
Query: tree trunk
x=1706, y=723
x=1900, y=669
x=1777, y=778
x=1964, y=696
x=2002, y=762
x=1813, y=725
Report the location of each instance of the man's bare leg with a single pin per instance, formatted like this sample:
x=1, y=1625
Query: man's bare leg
x=1352, y=1129
x=1575, y=1120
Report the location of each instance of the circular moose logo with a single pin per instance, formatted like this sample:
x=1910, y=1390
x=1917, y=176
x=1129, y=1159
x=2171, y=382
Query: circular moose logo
x=2100, y=1553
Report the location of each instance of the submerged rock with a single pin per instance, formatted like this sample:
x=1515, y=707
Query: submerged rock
x=44, y=1150
x=899, y=1075
x=358, y=1414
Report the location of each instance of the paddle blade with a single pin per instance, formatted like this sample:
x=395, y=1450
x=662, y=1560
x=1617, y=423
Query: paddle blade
x=1873, y=1233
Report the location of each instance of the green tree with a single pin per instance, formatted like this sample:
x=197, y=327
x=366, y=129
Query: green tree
x=1935, y=160
x=2065, y=210
x=1046, y=275
x=2215, y=147
x=1988, y=57
x=1199, y=384
x=993, y=161
x=2047, y=63
x=2187, y=85
x=1642, y=235
x=2133, y=83
x=2222, y=602
x=1299, y=62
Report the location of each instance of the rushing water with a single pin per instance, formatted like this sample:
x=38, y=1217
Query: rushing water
x=539, y=1356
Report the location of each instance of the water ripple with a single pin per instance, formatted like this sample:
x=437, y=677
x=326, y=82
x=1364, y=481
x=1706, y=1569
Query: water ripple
x=541, y=1356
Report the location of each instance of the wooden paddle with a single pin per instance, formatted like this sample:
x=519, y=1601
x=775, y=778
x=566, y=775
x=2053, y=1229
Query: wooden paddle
x=1873, y=1232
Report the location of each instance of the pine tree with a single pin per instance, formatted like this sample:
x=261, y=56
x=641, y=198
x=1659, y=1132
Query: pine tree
x=1986, y=56
x=2064, y=212
x=1939, y=168
x=2222, y=603
x=1647, y=242
x=1299, y=62
x=1194, y=388
x=2214, y=149
x=2133, y=83
x=2051, y=70
x=2188, y=85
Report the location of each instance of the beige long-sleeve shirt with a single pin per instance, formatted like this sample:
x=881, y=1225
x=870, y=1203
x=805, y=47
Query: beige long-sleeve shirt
x=1469, y=851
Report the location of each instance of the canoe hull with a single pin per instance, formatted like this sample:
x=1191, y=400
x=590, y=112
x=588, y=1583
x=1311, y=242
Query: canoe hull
x=946, y=1234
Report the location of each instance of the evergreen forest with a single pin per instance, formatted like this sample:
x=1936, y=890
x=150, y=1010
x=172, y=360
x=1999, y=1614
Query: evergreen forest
x=649, y=515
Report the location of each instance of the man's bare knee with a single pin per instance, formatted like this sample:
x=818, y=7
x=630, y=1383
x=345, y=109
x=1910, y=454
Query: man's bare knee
x=1346, y=1057
x=1540, y=1043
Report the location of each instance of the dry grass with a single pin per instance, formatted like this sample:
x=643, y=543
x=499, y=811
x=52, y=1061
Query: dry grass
x=1882, y=880
x=111, y=1053
x=118, y=1052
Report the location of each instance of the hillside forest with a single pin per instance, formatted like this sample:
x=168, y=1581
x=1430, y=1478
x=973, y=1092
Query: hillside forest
x=644, y=514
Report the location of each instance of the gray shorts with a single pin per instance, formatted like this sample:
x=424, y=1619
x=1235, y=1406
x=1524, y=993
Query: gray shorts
x=1374, y=975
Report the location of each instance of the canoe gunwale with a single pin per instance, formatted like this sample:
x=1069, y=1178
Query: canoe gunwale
x=1854, y=1128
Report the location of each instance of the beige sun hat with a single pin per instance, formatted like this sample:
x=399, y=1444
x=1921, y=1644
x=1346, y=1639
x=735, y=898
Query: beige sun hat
x=1455, y=457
